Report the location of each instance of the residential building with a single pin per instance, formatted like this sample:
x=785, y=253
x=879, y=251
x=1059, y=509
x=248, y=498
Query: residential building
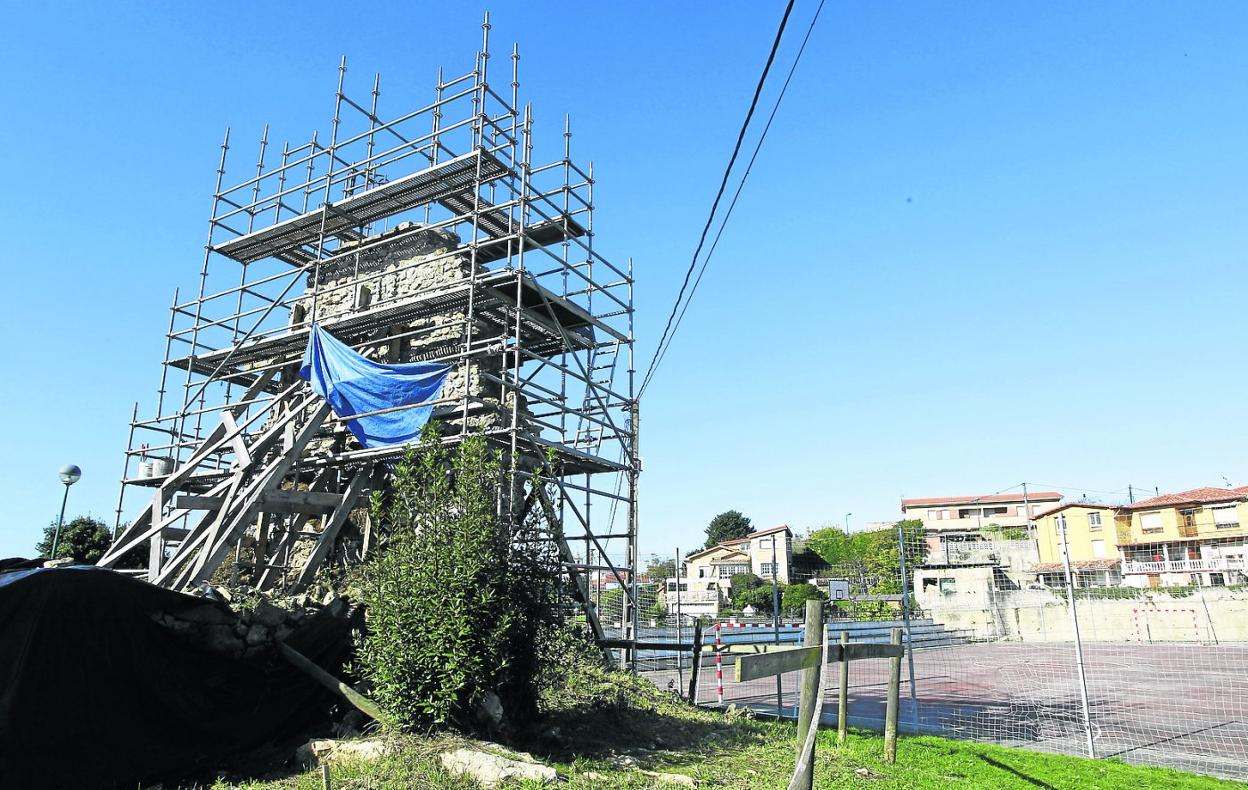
x=958, y=519
x=1192, y=537
x=706, y=574
x=1095, y=559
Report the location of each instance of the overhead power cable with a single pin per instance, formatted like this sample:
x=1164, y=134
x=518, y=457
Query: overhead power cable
x=723, y=185
x=662, y=351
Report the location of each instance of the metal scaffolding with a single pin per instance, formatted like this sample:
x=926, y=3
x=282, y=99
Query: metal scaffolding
x=432, y=235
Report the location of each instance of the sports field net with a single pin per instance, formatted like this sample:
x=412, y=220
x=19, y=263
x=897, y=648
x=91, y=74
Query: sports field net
x=996, y=662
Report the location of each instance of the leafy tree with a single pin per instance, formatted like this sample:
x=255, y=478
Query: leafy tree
x=793, y=601
x=729, y=525
x=659, y=569
x=85, y=539
x=741, y=583
x=758, y=597
x=458, y=602
x=837, y=547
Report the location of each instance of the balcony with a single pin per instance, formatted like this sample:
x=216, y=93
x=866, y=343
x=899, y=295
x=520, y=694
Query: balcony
x=1216, y=564
x=694, y=596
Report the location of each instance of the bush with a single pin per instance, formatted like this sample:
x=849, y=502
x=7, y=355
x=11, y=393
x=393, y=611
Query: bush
x=458, y=604
x=85, y=539
x=793, y=601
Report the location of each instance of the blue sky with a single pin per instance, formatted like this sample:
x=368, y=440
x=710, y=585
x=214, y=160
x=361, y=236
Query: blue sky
x=985, y=243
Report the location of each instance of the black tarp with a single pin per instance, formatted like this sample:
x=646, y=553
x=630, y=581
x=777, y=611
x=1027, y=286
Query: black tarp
x=95, y=693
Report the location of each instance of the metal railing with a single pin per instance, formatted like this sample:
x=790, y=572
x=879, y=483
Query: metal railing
x=1183, y=566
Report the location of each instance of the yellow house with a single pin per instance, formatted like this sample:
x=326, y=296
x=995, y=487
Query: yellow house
x=1192, y=537
x=1095, y=560
x=1197, y=537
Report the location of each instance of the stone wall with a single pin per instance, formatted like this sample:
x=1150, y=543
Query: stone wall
x=415, y=262
x=1215, y=614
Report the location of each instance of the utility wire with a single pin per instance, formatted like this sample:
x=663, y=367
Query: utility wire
x=662, y=350
x=723, y=185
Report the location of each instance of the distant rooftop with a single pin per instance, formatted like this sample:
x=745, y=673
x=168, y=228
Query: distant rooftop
x=981, y=499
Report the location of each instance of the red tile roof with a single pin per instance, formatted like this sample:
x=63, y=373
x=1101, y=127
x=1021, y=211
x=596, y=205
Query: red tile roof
x=1033, y=496
x=729, y=544
x=759, y=534
x=1197, y=496
x=1064, y=505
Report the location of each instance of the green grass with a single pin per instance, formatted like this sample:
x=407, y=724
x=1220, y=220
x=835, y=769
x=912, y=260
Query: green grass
x=614, y=727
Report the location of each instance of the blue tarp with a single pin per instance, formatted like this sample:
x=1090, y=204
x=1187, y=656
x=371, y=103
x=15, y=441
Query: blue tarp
x=355, y=385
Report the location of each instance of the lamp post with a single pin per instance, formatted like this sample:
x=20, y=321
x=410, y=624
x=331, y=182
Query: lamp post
x=847, y=515
x=69, y=475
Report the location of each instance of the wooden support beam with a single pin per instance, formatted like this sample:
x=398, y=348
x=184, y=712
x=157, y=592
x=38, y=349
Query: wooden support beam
x=697, y=661
x=279, y=501
x=216, y=551
x=330, y=533
x=311, y=502
x=854, y=652
x=890, y=710
x=360, y=702
x=812, y=636
x=765, y=665
x=197, y=502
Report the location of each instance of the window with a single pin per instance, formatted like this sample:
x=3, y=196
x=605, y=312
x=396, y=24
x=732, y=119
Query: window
x=1189, y=516
x=701, y=573
x=728, y=571
x=767, y=569
x=1225, y=517
x=996, y=511
x=935, y=515
x=1098, y=549
x=968, y=512
x=1151, y=522
x=947, y=585
x=745, y=546
x=1094, y=521
x=671, y=587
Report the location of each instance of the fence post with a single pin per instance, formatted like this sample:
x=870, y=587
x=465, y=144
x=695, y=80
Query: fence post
x=1074, y=625
x=697, y=661
x=719, y=667
x=842, y=705
x=890, y=711
x=905, y=616
x=813, y=636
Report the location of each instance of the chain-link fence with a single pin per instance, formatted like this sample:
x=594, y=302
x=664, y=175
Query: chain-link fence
x=1155, y=676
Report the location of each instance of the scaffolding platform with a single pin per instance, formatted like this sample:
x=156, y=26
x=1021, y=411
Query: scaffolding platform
x=432, y=235
x=549, y=324
x=286, y=239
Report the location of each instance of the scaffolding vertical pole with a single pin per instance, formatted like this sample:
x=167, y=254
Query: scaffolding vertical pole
x=125, y=470
x=634, y=467
x=180, y=430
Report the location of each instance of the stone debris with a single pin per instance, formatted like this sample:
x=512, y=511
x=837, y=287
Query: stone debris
x=492, y=770
x=324, y=751
x=245, y=631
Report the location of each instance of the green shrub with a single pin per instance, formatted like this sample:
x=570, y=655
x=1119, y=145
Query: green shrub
x=793, y=601
x=457, y=601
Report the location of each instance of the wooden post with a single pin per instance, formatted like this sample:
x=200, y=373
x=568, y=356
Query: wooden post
x=842, y=706
x=812, y=637
x=697, y=658
x=326, y=781
x=890, y=713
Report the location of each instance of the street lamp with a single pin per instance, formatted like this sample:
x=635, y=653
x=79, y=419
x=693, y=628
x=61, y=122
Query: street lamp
x=847, y=515
x=69, y=475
